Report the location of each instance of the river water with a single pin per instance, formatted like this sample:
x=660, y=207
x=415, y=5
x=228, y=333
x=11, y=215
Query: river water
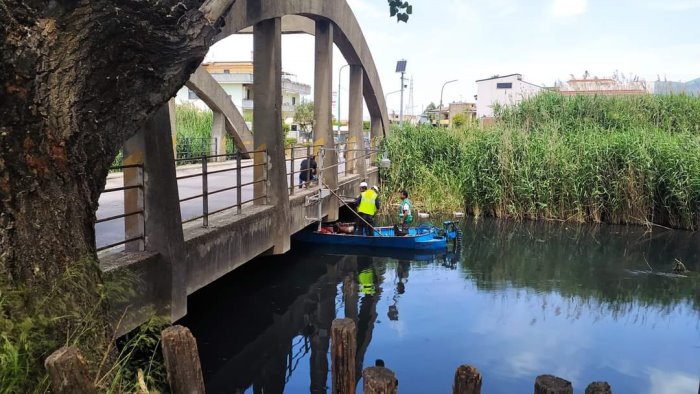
x=515, y=300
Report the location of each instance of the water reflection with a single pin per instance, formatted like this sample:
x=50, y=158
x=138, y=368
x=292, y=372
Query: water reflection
x=516, y=299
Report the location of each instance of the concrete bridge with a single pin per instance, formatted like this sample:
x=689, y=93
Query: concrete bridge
x=165, y=259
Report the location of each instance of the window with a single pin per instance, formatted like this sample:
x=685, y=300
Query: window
x=192, y=95
x=504, y=85
x=294, y=101
x=227, y=72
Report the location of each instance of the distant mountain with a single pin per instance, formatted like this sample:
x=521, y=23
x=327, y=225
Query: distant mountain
x=670, y=87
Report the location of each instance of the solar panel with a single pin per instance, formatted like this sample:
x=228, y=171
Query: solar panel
x=401, y=66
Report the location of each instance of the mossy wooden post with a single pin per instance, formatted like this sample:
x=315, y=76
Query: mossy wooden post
x=379, y=380
x=598, y=388
x=548, y=384
x=182, y=361
x=467, y=380
x=343, y=339
x=68, y=373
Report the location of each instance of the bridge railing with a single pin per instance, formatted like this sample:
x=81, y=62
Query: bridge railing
x=238, y=187
x=292, y=156
x=138, y=239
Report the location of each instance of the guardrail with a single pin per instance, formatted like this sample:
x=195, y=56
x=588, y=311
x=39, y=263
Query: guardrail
x=204, y=174
x=140, y=211
x=292, y=158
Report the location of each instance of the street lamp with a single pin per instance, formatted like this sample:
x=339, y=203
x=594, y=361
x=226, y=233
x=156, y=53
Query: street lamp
x=386, y=96
x=401, y=68
x=338, y=100
x=442, y=90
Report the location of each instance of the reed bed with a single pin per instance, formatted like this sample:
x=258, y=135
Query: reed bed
x=560, y=158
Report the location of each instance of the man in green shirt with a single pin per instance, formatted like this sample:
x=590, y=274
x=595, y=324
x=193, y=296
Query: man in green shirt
x=405, y=212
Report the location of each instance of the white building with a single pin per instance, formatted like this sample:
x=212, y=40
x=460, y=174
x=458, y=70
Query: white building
x=503, y=90
x=236, y=78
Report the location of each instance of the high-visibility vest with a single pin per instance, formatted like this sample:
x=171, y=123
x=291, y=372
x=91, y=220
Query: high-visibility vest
x=368, y=202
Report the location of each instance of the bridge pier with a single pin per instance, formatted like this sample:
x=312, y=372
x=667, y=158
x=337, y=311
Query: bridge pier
x=218, y=132
x=152, y=147
x=355, y=121
x=323, y=132
x=267, y=127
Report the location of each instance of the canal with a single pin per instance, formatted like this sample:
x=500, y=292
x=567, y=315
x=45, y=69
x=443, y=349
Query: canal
x=516, y=300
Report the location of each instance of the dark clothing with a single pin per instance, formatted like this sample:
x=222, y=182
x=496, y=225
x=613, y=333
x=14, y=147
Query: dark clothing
x=308, y=171
x=362, y=227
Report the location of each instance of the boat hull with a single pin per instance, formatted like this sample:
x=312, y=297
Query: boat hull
x=417, y=239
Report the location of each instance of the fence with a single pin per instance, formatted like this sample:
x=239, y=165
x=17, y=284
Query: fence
x=204, y=174
x=140, y=221
x=189, y=150
x=292, y=158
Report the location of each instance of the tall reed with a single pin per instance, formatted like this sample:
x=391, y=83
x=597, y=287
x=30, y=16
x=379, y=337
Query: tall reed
x=561, y=158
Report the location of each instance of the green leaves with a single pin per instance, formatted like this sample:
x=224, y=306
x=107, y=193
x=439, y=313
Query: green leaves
x=400, y=9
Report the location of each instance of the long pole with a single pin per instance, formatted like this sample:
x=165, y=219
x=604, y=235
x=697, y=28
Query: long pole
x=353, y=211
x=401, y=110
x=441, y=91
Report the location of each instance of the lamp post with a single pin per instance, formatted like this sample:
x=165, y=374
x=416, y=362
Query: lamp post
x=442, y=90
x=337, y=128
x=386, y=96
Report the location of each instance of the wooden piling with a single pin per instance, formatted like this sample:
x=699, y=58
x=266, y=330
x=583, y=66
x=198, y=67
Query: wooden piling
x=598, y=388
x=343, y=339
x=548, y=384
x=68, y=372
x=182, y=361
x=467, y=380
x=379, y=380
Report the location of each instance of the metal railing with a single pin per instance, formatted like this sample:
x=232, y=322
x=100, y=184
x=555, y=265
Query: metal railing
x=292, y=158
x=204, y=174
x=140, y=211
x=190, y=150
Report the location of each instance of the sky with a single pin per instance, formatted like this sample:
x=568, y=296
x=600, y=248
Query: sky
x=544, y=40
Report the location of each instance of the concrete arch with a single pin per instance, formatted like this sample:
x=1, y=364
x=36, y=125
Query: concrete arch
x=347, y=36
x=209, y=91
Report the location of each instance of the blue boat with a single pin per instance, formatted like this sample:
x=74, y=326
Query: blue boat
x=418, y=238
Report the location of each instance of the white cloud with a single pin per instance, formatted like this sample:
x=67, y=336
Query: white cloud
x=567, y=8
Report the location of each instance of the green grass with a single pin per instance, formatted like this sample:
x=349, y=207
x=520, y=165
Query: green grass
x=36, y=322
x=561, y=158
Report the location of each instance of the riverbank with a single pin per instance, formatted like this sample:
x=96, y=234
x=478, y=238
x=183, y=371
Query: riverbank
x=582, y=159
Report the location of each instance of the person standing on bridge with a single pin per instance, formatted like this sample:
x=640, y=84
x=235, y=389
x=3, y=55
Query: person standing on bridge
x=308, y=171
x=367, y=206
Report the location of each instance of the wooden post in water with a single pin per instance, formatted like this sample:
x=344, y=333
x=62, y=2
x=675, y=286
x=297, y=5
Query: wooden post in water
x=182, y=361
x=467, y=380
x=598, y=388
x=68, y=373
x=379, y=380
x=548, y=384
x=343, y=339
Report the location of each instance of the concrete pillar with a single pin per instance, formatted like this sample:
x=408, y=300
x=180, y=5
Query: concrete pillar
x=267, y=123
x=162, y=202
x=172, y=112
x=323, y=133
x=218, y=134
x=355, y=121
x=375, y=135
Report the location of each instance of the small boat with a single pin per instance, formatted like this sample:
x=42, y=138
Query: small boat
x=418, y=238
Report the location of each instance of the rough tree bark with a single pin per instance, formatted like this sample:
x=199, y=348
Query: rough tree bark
x=78, y=78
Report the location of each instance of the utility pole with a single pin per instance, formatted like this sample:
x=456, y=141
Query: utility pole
x=401, y=68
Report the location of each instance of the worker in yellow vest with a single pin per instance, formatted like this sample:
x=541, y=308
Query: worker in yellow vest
x=367, y=206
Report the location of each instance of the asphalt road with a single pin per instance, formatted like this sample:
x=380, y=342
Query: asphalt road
x=112, y=204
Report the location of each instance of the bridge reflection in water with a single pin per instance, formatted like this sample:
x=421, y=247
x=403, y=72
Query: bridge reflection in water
x=270, y=320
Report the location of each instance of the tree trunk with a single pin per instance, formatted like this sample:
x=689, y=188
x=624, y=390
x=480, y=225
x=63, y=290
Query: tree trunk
x=78, y=78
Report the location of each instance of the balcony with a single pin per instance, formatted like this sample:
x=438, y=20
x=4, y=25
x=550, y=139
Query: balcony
x=249, y=105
